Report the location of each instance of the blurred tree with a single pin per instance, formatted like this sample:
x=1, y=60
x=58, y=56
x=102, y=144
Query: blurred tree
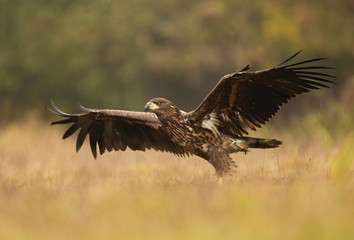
x=120, y=54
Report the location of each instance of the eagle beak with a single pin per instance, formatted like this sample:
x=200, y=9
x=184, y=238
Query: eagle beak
x=150, y=106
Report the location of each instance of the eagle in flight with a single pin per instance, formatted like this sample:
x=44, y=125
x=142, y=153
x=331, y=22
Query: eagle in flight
x=219, y=126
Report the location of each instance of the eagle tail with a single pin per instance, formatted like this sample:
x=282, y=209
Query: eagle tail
x=243, y=143
x=262, y=143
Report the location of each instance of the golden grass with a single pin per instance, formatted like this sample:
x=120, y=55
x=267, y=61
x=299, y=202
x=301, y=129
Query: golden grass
x=302, y=190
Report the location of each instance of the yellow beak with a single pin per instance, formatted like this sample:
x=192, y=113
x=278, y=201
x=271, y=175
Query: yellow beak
x=150, y=106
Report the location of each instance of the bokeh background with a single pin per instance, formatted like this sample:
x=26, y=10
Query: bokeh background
x=120, y=54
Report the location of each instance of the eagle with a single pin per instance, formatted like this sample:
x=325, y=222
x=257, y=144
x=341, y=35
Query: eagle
x=219, y=126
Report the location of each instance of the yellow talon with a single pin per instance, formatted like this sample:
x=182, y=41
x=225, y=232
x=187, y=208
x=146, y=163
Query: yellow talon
x=220, y=181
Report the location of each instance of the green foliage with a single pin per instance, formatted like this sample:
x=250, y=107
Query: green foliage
x=122, y=53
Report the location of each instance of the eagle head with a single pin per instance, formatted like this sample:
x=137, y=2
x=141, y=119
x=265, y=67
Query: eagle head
x=162, y=107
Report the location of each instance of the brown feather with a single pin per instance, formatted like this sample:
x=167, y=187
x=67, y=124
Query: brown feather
x=239, y=102
x=250, y=99
x=117, y=129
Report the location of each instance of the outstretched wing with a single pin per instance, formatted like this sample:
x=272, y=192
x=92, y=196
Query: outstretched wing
x=245, y=100
x=117, y=130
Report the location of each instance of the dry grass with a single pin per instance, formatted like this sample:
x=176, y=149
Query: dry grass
x=302, y=190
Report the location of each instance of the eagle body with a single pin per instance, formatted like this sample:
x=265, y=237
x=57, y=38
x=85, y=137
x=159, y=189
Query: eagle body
x=218, y=127
x=203, y=138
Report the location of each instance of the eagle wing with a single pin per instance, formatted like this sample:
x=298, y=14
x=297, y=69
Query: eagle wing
x=117, y=130
x=245, y=100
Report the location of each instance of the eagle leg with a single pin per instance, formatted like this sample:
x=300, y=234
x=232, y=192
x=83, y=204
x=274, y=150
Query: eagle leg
x=222, y=163
x=220, y=181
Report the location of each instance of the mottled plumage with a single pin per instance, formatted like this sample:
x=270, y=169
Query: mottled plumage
x=216, y=128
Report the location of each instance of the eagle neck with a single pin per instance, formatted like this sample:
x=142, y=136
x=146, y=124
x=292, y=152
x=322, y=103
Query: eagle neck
x=176, y=128
x=170, y=120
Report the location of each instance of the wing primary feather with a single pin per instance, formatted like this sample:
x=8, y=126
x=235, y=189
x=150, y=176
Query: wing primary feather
x=314, y=78
x=245, y=68
x=69, y=120
x=81, y=138
x=315, y=73
x=93, y=145
x=58, y=111
x=289, y=59
x=100, y=140
x=303, y=62
x=307, y=84
x=55, y=112
x=71, y=130
x=308, y=68
x=85, y=108
x=101, y=145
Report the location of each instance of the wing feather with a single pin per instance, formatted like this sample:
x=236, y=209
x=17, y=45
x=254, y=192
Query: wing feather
x=71, y=130
x=250, y=99
x=81, y=137
x=93, y=144
x=116, y=130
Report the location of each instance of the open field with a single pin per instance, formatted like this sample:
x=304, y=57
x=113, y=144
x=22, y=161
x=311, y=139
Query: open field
x=302, y=190
x=120, y=54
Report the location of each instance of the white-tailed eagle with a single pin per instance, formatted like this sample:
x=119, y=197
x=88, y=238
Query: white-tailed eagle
x=219, y=126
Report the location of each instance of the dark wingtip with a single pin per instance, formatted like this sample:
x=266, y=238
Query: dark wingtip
x=245, y=68
x=287, y=60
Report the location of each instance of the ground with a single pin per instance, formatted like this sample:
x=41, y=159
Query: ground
x=301, y=190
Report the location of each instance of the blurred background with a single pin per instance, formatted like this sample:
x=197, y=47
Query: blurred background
x=120, y=54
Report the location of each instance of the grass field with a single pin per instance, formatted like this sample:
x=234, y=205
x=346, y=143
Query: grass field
x=302, y=190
